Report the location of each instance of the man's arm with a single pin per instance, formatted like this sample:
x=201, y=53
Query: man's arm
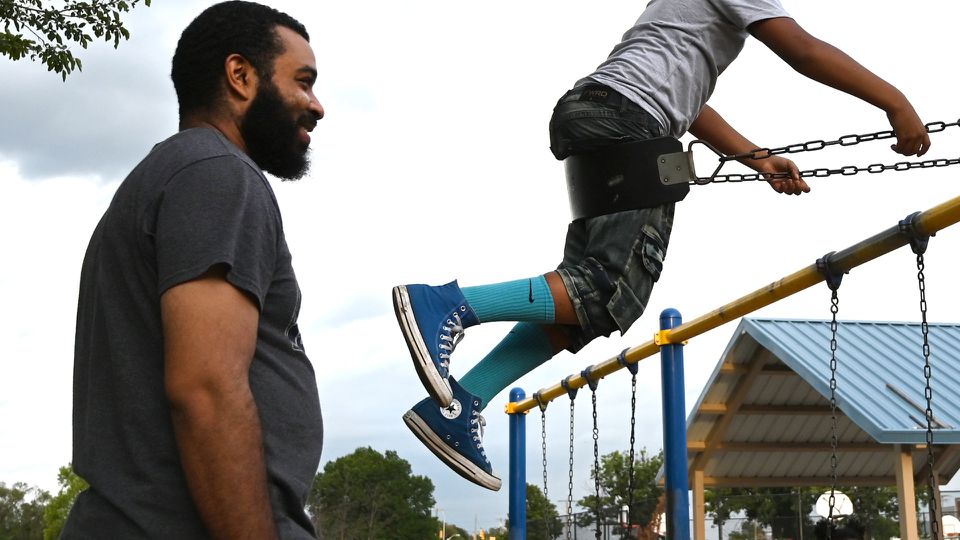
x=826, y=64
x=712, y=128
x=210, y=334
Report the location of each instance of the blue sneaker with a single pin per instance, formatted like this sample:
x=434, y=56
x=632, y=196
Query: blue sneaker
x=454, y=434
x=432, y=320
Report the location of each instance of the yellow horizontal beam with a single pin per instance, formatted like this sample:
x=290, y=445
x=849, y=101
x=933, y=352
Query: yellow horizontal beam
x=929, y=222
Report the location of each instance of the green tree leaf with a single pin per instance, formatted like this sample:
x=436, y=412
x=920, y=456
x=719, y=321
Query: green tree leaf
x=43, y=33
x=21, y=511
x=543, y=522
x=55, y=515
x=783, y=510
x=367, y=494
x=615, y=489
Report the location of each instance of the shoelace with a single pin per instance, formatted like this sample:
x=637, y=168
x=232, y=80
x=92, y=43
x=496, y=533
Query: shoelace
x=448, y=341
x=479, y=422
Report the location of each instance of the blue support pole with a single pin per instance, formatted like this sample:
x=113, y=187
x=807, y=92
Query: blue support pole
x=518, y=469
x=674, y=432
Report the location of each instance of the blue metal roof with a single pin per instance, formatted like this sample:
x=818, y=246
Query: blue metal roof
x=764, y=416
x=880, y=381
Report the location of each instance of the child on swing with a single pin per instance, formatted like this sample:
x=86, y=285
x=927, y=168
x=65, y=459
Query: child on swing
x=655, y=82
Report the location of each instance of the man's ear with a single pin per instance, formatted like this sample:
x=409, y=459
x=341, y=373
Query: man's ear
x=241, y=77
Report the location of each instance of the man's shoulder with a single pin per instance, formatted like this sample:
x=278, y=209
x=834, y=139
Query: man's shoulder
x=195, y=145
x=196, y=158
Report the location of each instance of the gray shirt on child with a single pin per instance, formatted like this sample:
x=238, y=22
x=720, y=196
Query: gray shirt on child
x=669, y=61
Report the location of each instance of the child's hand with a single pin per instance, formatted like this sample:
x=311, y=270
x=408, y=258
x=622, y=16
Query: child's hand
x=912, y=137
x=794, y=185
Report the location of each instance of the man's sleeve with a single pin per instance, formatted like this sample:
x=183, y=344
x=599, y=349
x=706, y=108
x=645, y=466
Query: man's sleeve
x=218, y=211
x=743, y=13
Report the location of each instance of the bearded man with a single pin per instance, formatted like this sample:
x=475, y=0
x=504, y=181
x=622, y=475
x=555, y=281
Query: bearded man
x=196, y=412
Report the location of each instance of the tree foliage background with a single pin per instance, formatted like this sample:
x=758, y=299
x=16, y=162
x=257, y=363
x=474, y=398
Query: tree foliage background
x=779, y=510
x=615, y=488
x=57, y=510
x=21, y=511
x=783, y=510
x=367, y=494
x=44, y=33
x=30, y=513
x=543, y=522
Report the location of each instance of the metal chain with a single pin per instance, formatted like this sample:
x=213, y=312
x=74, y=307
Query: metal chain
x=596, y=460
x=543, y=449
x=928, y=394
x=846, y=140
x=633, y=438
x=849, y=170
x=809, y=146
x=570, y=477
x=834, y=309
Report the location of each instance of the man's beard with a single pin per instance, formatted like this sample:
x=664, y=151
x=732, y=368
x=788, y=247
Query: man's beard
x=272, y=134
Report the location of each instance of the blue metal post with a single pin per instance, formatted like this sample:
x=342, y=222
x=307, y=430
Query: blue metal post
x=518, y=469
x=674, y=433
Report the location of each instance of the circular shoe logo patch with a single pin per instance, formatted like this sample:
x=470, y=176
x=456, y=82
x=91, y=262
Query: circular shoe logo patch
x=452, y=411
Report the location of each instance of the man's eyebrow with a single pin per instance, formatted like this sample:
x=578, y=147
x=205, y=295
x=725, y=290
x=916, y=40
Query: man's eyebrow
x=308, y=70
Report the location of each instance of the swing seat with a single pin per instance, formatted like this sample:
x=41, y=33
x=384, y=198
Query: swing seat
x=621, y=177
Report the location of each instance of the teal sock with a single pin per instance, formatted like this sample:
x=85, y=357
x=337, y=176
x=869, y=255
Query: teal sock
x=520, y=300
x=524, y=348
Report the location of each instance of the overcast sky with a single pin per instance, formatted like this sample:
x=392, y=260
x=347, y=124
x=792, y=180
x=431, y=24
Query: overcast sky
x=432, y=163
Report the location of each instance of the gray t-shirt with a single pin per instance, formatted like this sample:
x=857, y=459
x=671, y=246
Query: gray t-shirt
x=195, y=201
x=669, y=61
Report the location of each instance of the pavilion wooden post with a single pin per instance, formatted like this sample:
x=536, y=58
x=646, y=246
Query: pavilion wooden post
x=699, y=508
x=906, y=494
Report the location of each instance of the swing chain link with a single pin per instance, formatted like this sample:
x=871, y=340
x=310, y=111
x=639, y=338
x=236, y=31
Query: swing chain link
x=928, y=394
x=809, y=146
x=633, y=424
x=543, y=449
x=834, y=309
x=570, y=477
x=596, y=462
x=846, y=140
x=848, y=170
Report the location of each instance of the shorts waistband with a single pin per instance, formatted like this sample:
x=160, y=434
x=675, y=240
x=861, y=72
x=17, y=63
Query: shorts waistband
x=597, y=93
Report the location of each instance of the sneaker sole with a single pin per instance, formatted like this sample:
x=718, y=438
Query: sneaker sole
x=461, y=465
x=437, y=386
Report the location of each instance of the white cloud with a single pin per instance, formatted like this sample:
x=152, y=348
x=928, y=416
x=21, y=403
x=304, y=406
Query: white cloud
x=102, y=120
x=46, y=225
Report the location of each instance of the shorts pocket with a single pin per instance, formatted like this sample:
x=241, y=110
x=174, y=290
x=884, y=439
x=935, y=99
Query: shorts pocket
x=624, y=307
x=652, y=251
x=629, y=300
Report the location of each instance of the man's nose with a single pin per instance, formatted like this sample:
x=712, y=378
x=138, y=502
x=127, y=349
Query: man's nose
x=316, y=108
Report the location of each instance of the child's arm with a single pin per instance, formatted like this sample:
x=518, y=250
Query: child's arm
x=712, y=128
x=829, y=65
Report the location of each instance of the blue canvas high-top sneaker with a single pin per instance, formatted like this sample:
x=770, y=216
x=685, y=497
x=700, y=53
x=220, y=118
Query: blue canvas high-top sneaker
x=432, y=320
x=454, y=434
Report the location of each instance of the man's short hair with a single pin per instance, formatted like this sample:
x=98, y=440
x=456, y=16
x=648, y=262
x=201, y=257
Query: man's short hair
x=235, y=27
